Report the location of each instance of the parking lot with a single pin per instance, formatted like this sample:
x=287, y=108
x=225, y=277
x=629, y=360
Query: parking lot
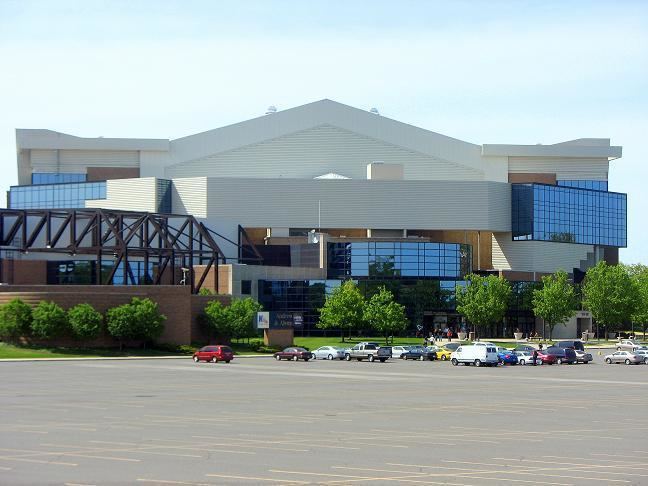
x=258, y=421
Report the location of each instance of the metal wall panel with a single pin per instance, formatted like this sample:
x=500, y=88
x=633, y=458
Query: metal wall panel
x=189, y=196
x=564, y=168
x=461, y=205
x=310, y=153
x=128, y=195
x=536, y=256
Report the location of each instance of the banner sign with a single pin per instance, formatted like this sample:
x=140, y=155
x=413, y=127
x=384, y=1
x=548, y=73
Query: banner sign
x=279, y=320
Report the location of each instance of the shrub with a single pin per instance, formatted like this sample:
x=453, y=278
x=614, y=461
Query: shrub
x=49, y=320
x=15, y=319
x=205, y=291
x=85, y=321
x=141, y=319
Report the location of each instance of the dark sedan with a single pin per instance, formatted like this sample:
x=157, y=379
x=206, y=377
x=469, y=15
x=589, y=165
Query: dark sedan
x=582, y=356
x=420, y=354
x=294, y=354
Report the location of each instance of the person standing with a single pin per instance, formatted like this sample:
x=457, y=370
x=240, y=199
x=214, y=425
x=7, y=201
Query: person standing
x=449, y=334
x=535, y=356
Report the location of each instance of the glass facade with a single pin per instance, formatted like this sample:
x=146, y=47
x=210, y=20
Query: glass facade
x=395, y=259
x=56, y=178
x=595, y=185
x=570, y=215
x=55, y=196
x=84, y=272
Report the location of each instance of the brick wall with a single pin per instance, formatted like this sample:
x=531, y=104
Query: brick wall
x=175, y=302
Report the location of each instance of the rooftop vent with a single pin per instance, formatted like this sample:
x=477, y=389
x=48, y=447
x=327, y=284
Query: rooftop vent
x=272, y=109
x=374, y=111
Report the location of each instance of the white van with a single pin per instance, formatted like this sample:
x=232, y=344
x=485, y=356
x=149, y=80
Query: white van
x=477, y=354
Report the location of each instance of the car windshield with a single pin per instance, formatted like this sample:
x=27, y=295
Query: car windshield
x=226, y=349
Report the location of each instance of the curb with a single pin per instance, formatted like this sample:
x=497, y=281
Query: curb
x=119, y=358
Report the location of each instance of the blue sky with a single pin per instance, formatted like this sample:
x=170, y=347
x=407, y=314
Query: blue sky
x=483, y=71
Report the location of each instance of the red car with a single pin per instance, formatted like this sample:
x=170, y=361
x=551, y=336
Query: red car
x=294, y=354
x=214, y=354
x=546, y=358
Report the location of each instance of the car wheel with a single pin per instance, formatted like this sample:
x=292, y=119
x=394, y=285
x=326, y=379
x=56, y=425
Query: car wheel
x=371, y=358
x=522, y=362
x=295, y=358
x=478, y=363
x=444, y=357
x=627, y=361
x=278, y=358
x=330, y=357
x=421, y=358
x=347, y=357
x=306, y=360
x=196, y=359
x=559, y=361
x=214, y=359
x=227, y=360
x=382, y=360
x=608, y=361
x=646, y=361
x=454, y=362
x=313, y=356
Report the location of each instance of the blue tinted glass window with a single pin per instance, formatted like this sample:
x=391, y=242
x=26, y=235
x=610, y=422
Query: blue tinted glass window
x=568, y=214
x=56, y=178
x=58, y=195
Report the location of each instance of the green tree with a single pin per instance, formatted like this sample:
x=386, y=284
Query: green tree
x=217, y=319
x=555, y=302
x=343, y=309
x=85, y=321
x=49, y=320
x=15, y=320
x=242, y=314
x=483, y=300
x=639, y=275
x=385, y=315
x=140, y=319
x=610, y=295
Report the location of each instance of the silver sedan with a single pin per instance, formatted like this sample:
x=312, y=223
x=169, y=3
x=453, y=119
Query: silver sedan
x=643, y=353
x=624, y=357
x=328, y=352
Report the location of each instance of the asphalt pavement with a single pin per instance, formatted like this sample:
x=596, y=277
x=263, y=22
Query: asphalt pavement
x=174, y=422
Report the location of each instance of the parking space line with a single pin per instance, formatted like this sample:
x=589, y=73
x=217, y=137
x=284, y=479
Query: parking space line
x=167, y=481
x=252, y=478
x=23, y=459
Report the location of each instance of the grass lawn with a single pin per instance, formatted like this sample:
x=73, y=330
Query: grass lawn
x=8, y=351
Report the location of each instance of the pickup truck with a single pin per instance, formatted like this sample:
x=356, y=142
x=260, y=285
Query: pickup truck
x=368, y=351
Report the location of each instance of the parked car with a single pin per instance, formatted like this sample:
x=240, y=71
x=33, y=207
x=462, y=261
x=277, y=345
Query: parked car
x=506, y=356
x=526, y=357
x=328, y=352
x=293, y=353
x=576, y=345
x=420, y=353
x=563, y=355
x=368, y=351
x=624, y=357
x=441, y=353
x=479, y=355
x=628, y=345
x=547, y=358
x=398, y=351
x=214, y=353
x=583, y=357
x=451, y=346
x=524, y=347
x=643, y=353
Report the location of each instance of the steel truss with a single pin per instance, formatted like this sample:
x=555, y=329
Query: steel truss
x=168, y=240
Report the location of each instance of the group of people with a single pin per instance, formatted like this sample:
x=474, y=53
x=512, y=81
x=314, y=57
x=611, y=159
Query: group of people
x=438, y=335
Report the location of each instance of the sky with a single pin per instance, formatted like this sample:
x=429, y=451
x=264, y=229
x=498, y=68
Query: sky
x=518, y=72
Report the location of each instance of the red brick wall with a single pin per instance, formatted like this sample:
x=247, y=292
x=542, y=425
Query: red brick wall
x=175, y=302
x=24, y=272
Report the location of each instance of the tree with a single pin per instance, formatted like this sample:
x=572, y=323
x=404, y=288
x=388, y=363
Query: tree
x=15, y=319
x=639, y=275
x=385, y=315
x=343, y=309
x=483, y=300
x=85, y=321
x=140, y=319
x=242, y=313
x=49, y=320
x=217, y=319
x=610, y=295
x=555, y=301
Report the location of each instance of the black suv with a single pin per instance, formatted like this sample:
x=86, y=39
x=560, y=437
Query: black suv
x=563, y=355
x=571, y=344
